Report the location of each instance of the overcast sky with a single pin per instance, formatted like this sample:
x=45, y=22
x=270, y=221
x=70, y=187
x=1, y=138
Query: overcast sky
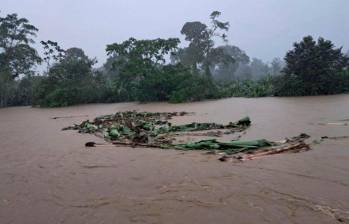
x=263, y=28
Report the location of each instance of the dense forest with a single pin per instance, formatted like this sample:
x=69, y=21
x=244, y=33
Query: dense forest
x=160, y=70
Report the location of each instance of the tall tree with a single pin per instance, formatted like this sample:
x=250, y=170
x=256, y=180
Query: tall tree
x=276, y=66
x=227, y=71
x=17, y=56
x=315, y=64
x=53, y=53
x=259, y=69
x=201, y=49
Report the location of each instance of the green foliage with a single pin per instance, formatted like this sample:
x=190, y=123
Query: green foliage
x=140, y=66
x=313, y=68
x=159, y=85
x=138, y=70
x=70, y=81
x=7, y=89
x=289, y=85
x=17, y=57
x=142, y=74
x=247, y=88
x=16, y=92
x=341, y=85
x=194, y=88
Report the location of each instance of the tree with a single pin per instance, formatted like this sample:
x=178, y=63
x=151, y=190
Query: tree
x=316, y=65
x=109, y=68
x=159, y=85
x=17, y=56
x=227, y=71
x=69, y=81
x=243, y=72
x=137, y=60
x=259, y=69
x=52, y=52
x=201, y=49
x=144, y=75
x=277, y=66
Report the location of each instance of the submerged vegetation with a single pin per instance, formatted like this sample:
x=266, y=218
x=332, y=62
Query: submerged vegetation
x=161, y=70
x=154, y=130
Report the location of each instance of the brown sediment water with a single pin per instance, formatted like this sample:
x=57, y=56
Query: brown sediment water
x=48, y=176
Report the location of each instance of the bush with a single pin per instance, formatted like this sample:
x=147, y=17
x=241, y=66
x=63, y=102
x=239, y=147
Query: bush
x=247, y=88
x=72, y=81
x=291, y=85
x=159, y=86
x=194, y=88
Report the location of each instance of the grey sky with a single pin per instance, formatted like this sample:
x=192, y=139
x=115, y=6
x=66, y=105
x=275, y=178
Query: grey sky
x=263, y=28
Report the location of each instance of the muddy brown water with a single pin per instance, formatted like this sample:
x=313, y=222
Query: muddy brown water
x=48, y=176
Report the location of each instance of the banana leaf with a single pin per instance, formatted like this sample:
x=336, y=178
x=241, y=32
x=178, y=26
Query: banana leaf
x=114, y=133
x=195, y=127
x=214, y=144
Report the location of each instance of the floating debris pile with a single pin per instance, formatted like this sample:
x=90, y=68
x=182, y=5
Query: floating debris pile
x=249, y=150
x=155, y=130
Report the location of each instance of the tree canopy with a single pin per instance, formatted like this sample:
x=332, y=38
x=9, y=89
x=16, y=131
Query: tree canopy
x=208, y=67
x=17, y=56
x=201, y=49
x=316, y=65
x=69, y=81
x=137, y=60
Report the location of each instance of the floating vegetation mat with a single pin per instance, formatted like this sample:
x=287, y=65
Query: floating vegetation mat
x=154, y=130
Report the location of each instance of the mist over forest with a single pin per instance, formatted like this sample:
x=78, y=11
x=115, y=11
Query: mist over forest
x=199, y=62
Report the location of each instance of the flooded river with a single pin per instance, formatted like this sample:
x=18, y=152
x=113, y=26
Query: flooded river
x=48, y=176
